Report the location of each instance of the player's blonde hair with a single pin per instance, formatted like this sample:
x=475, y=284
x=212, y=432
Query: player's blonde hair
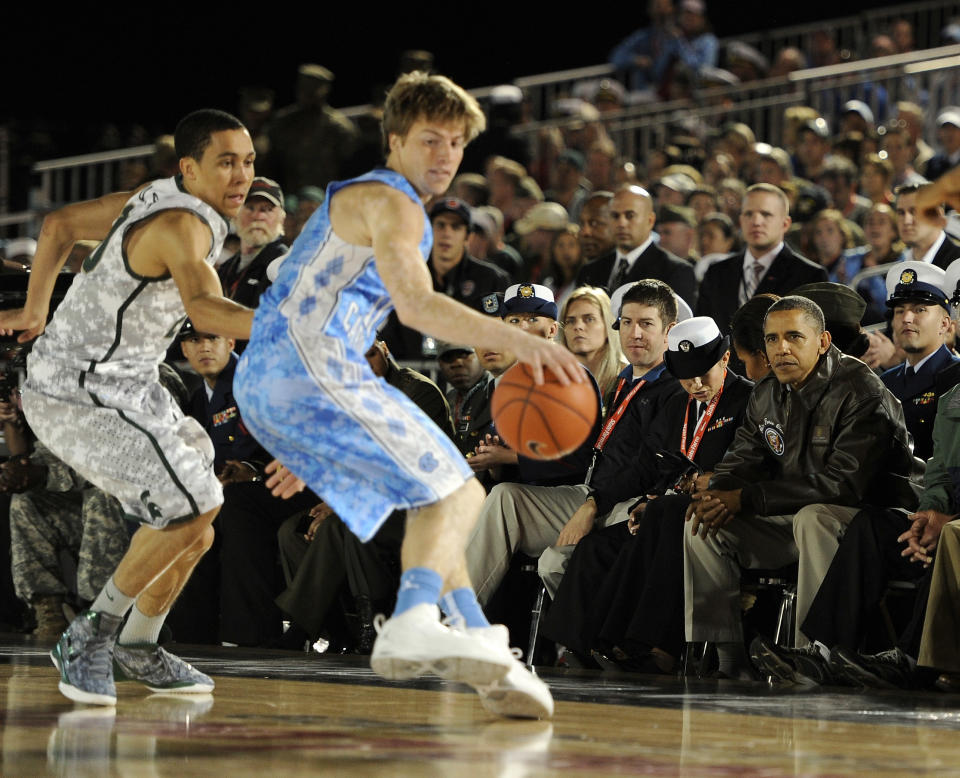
x=419, y=95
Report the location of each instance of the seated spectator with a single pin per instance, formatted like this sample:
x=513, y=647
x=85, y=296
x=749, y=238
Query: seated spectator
x=924, y=237
x=876, y=179
x=560, y=274
x=637, y=254
x=471, y=188
x=767, y=264
x=898, y=145
x=948, y=135
x=813, y=146
x=485, y=241
x=260, y=227
x=454, y=272
x=839, y=178
x=535, y=519
x=703, y=200
x=570, y=187
x=596, y=226
x=731, y=192
x=821, y=436
x=623, y=591
x=469, y=394
x=532, y=308
x=54, y=511
x=746, y=331
x=716, y=240
x=537, y=231
x=869, y=555
x=882, y=247
x=842, y=310
x=676, y=226
x=832, y=239
x=588, y=332
x=639, y=53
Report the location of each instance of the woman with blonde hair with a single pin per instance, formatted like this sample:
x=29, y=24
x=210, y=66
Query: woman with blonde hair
x=588, y=333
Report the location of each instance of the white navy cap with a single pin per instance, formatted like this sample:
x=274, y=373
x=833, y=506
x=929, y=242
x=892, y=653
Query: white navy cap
x=917, y=281
x=694, y=346
x=951, y=282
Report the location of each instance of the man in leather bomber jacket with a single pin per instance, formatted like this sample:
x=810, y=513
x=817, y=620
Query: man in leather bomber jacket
x=822, y=437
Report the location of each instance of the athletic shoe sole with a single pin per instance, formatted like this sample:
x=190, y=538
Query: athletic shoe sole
x=72, y=692
x=471, y=670
x=517, y=696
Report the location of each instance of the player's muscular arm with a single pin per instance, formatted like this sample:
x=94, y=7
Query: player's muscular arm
x=90, y=220
x=395, y=226
x=177, y=241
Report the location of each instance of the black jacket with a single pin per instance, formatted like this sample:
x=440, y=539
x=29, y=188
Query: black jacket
x=652, y=263
x=840, y=439
x=947, y=253
x=667, y=429
x=245, y=286
x=469, y=282
x=720, y=288
x=609, y=484
x=221, y=419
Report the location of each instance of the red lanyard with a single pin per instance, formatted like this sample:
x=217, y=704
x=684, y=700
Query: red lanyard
x=615, y=418
x=701, y=426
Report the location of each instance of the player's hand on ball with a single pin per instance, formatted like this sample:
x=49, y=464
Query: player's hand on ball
x=540, y=353
x=282, y=483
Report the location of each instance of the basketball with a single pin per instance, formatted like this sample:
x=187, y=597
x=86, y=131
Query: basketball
x=546, y=421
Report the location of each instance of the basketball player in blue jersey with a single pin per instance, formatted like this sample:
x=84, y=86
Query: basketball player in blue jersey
x=309, y=396
x=93, y=397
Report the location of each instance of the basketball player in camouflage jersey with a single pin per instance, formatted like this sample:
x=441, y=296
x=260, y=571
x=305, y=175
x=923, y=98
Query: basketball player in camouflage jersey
x=92, y=393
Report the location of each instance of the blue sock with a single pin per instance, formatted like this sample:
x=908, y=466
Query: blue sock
x=417, y=586
x=462, y=608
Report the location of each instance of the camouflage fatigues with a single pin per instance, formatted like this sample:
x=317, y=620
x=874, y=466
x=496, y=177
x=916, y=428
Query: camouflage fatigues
x=70, y=516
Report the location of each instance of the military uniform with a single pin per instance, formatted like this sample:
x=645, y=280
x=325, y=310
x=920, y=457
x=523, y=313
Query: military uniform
x=66, y=514
x=919, y=391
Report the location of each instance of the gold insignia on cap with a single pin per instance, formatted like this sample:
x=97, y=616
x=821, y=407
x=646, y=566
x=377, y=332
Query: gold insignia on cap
x=908, y=276
x=525, y=291
x=685, y=346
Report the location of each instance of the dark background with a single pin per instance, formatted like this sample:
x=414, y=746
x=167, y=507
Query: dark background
x=150, y=65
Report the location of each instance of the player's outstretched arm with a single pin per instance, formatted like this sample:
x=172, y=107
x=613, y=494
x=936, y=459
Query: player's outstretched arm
x=178, y=242
x=89, y=220
x=945, y=189
x=395, y=226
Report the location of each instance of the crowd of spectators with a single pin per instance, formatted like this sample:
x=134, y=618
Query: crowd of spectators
x=716, y=292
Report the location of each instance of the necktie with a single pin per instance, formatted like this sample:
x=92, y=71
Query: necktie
x=619, y=275
x=753, y=280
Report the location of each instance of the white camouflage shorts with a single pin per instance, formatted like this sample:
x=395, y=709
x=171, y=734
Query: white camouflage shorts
x=127, y=437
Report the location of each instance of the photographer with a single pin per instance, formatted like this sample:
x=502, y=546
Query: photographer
x=622, y=596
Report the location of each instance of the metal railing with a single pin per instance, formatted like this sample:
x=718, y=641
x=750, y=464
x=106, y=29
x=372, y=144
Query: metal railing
x=930, y=77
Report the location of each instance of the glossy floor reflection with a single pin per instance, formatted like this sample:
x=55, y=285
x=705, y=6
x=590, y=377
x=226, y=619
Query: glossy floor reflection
x=276, y=713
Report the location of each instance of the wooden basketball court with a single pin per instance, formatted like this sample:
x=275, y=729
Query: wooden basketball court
x=282, y=714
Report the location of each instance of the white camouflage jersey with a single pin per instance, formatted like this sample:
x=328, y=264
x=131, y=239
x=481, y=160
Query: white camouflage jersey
x=113, y=321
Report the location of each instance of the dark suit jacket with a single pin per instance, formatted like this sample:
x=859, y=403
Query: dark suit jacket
x=720, y=288
x=947, y=253
x=652, y=263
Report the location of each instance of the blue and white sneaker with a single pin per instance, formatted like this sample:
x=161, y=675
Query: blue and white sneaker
x=158, y=670
x=84, y=657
